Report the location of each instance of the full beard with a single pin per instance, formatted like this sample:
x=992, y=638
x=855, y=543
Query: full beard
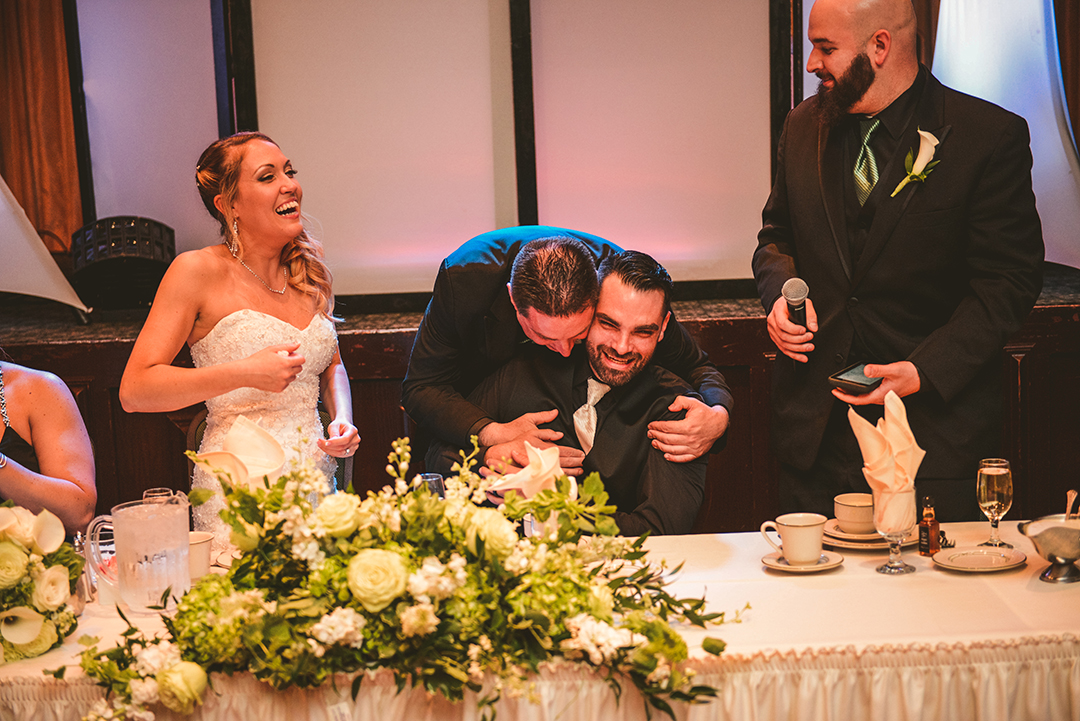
x=610, y=376
x=836, y=102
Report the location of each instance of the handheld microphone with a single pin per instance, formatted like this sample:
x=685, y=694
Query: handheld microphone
x=795, y=291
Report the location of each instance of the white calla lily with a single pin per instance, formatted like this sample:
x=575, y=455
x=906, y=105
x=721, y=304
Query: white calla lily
x=927, y=146
x=247, y=453
x=919, y=167
x=541, y=473
x=48, y=532
x=20, y=625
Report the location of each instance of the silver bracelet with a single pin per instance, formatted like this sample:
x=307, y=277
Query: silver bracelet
x=3, y=460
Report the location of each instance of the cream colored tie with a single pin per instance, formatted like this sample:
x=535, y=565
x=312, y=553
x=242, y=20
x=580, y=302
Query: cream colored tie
x=585, y=417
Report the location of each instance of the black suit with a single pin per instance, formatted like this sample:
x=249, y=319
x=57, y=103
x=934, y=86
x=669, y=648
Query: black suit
x=945, y=273
x=650, y=492
x=470, y=329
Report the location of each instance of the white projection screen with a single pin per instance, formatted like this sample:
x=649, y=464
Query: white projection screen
x=652, y=127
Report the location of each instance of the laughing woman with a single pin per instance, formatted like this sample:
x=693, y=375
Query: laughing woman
x=256, y=311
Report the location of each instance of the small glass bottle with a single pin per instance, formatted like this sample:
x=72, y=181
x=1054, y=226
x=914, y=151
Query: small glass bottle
x=929, y=536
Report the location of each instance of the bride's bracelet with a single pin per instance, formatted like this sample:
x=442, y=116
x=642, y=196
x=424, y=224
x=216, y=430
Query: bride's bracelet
x=3, y=460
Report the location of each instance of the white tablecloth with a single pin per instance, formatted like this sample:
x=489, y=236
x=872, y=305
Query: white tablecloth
x=843, y=644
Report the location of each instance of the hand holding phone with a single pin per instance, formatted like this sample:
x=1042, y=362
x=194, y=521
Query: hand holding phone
x=853, y=380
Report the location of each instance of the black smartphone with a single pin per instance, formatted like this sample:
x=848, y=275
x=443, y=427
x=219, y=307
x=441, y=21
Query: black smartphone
x=852, y=380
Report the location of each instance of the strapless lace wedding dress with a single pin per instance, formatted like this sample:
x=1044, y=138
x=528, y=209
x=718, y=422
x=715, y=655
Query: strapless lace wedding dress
x=291, y=416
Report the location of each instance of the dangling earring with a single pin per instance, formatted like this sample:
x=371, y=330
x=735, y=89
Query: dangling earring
x=234, y=245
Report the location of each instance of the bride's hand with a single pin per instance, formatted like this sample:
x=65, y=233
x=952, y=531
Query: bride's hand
x=343, y=439
x=274, y=368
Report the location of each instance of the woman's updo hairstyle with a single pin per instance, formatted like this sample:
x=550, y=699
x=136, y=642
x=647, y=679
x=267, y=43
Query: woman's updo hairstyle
x=218, y=173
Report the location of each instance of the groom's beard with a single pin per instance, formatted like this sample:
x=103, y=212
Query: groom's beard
x=835, y=102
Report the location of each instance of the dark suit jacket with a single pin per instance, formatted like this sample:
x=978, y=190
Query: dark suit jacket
x=470, y=329
x=950, y=269
x=650, y=492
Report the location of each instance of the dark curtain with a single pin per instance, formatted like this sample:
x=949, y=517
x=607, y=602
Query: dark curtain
x=1068, y=32
x=926, y=14
x=37, y=134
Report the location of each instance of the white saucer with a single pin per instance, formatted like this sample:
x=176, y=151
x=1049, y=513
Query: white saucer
x=828, y=560
x=832, y=528
x=979, y=559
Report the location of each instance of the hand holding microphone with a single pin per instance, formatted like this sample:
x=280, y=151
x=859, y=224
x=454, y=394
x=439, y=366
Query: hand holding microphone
x=792, y=321
x=795, y=291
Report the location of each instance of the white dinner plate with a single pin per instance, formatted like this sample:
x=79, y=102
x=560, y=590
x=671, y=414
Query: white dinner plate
x=979, y=559
x=832, y=528
x=879, y=545
x=828, y=560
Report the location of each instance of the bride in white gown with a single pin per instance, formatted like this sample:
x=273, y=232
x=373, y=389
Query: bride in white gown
x=256, y=311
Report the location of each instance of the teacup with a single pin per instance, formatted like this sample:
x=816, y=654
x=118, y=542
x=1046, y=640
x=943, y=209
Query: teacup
x=855, y=512
x=800, y=537
x=199, y=553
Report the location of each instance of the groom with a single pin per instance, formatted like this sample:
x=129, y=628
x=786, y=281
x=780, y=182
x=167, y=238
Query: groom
x=607, y=393
x=925, y=284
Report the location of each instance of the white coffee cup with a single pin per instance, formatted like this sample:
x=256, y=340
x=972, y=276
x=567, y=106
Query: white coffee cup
x=854, y=512
x=800, y=537
x=199, y=553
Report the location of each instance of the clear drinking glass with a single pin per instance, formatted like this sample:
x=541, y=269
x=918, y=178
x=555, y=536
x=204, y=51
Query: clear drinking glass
x=895, y=519
x=434, y=483
x=995, y=491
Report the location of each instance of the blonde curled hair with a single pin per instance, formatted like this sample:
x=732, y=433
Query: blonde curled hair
x=218, y=173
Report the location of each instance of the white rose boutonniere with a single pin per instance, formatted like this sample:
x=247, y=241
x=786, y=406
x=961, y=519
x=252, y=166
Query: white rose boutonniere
x=921, y=166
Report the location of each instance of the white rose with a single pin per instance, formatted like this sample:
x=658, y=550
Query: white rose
x=12, y=564
x=45, y=640
x=339, y=514
x=376, y=577
x=246, y=539
x=494, y=529
x=52, y=589
x=17, y=524
x=181, y=686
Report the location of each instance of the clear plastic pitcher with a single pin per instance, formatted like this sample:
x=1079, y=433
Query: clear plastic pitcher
x=151, y=539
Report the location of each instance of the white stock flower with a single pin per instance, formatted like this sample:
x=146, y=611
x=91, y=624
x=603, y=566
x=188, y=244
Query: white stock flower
x=419, y=620
x=152, y=659
x=342, y=626
x=144, y=691
x=596, y=639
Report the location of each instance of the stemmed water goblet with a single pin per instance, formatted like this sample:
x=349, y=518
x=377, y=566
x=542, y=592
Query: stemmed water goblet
x=994, y=489
x=894, y=519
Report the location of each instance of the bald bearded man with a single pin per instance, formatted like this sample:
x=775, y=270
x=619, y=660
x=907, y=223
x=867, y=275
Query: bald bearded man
x=923, y=281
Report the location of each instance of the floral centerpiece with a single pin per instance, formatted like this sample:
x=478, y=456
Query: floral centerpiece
x=38, y=572
x=443, y=592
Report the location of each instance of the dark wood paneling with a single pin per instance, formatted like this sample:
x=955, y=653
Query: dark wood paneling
x=1041, y=367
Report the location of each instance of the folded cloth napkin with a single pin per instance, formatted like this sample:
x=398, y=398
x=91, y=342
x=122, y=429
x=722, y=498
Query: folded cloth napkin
x=539, y=475
x=891, y=458
x=247, y=454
